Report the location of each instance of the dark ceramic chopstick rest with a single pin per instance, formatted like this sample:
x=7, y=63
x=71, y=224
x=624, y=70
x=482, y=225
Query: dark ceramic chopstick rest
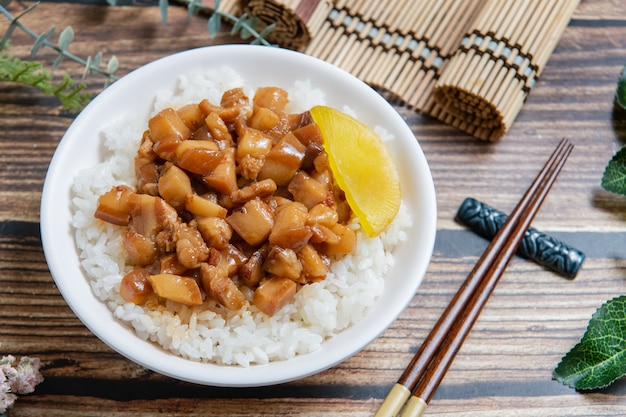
x=545, y=250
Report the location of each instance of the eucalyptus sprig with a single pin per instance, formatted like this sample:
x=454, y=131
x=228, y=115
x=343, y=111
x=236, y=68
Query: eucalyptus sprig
x=61, y=47
x=31, y=72
x=245, y=26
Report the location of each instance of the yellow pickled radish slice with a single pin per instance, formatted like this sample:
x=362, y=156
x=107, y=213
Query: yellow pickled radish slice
x=362, y=166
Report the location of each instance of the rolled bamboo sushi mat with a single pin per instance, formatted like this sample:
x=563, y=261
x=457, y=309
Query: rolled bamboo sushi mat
x=469, y=63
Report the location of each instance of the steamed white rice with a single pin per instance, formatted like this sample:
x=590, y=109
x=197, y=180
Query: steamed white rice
x=210, y=333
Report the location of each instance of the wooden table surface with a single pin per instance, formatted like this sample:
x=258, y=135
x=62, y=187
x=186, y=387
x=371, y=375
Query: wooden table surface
x=505, y=366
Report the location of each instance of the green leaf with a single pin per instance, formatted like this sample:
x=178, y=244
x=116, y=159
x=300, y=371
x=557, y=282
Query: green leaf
x=87, y=70
x=237, y=26
x=614, y=177
x=41, y=41
x=66, y=37
x=620, y=94
x=97, y=59
x=192, y=8
x=248, y=27
x=268, y=29
x=163, y=4
x=113, y=64
x=57, y=62
x=214, y=24
x=600, y=356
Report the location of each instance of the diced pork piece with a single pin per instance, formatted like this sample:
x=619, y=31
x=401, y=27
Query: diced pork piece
x=198, y=156
x=253, y=221
x=169, y=264
x=283, y=262
x=190, y=247
x=150, y=215
x=177, y=288
x=250, y=167
x=220, y=287
x=263, y=119
x=224, y=176
x=134, y=287
x=311, y=154
x=283, y=160
x=290, y=229
x=174, y=185
x=252, y=272
x=322, y=214
x=321, y=233
x=140, y=250
x=235, y=98
x=323, y=177
x=346, y=243
x=167, y=123
x=146, y=170
x=114, y=206
x=254, y=143
x=215, y=231
x=231, y=260
x=274, y=98
x=298, y=120
x=273, y=294
x=343, y=210
x=192, y=116
x=314, y=266
x=308, y=191
x=227, y=113
x=260, y=189
x=165, y=147
x=321, y=164
x=204, y=207
x=309, y=134
x=218, y=129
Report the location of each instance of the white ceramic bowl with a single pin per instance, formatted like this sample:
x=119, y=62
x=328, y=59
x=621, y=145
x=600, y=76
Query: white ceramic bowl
x=134, y=93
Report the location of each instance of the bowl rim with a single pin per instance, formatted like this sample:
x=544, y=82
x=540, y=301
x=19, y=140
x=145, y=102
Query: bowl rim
x=114, y=333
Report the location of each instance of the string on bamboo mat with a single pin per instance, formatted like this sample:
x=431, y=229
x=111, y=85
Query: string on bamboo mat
x=468, y=63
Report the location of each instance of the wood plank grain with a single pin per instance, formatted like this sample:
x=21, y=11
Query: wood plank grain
x=504, y=367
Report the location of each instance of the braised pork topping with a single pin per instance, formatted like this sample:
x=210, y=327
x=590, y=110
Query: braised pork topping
x=230, y=199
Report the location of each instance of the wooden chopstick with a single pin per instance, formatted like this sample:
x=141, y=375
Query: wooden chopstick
x=427, y=368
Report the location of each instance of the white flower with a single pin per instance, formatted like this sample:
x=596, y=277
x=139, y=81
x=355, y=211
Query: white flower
x=20, y=379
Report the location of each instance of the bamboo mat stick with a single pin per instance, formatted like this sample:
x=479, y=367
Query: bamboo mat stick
x=534, y=21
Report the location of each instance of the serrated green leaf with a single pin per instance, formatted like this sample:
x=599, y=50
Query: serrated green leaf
x=600, y=356
x=614, y=177
x=66, y=37
x=620, y=93
x=214, y=24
